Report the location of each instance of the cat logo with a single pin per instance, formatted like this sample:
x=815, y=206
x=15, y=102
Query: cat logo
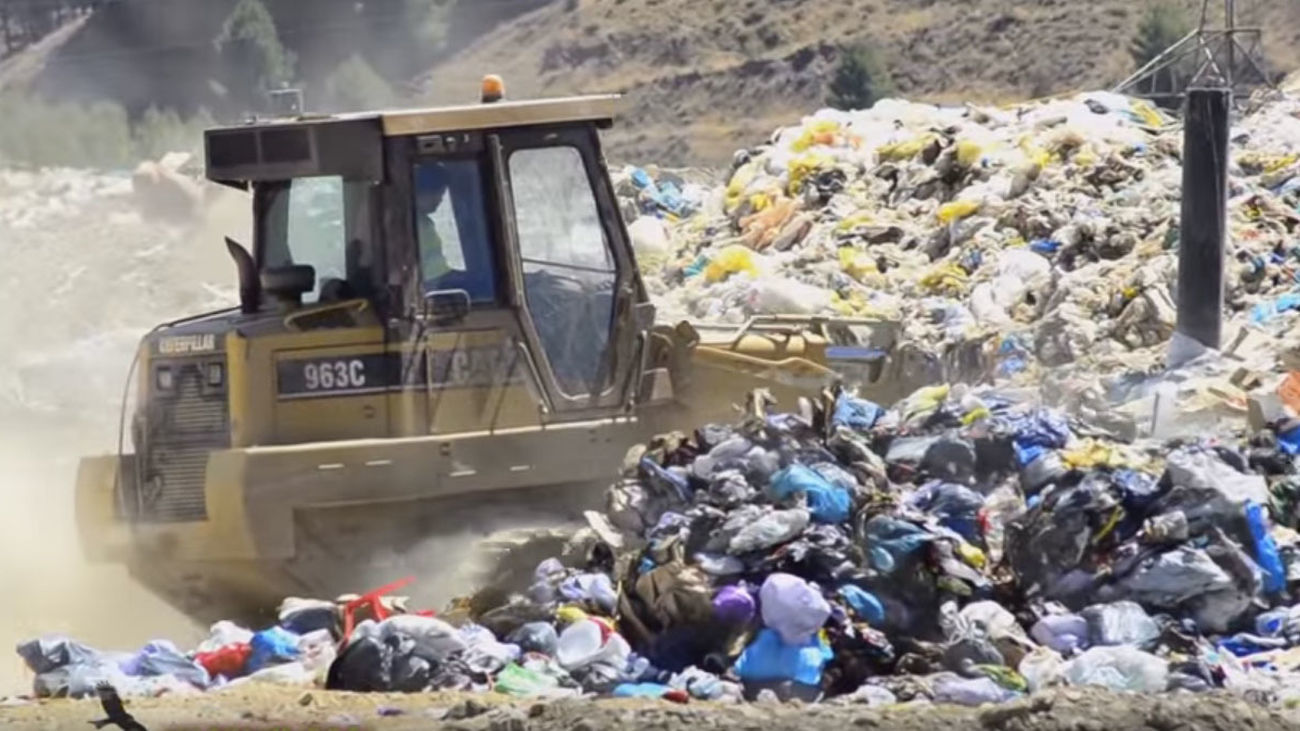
x=187, y=344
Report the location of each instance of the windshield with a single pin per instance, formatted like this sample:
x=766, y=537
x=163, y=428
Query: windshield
x=311, y=221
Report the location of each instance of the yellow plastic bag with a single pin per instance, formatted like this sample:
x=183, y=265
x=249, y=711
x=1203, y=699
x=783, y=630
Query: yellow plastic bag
x=739, y=183
x=971, y=555
x=821, y=132
x=568, y=614
x=730, y=260
x=968, y=153
x=856, y=263
x=1037, y=156
x=1149, y=115
x=945, y=277
x=803, y=166
x=957, y=210
x=906, y=150
x=1085, y=157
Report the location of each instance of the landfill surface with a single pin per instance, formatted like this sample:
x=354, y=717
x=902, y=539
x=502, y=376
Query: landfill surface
x=1064, y=518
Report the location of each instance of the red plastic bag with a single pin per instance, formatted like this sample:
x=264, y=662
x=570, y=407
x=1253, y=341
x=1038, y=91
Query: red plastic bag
x=228, y=660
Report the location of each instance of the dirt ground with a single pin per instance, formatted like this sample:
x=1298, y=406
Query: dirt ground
x=1073, y=709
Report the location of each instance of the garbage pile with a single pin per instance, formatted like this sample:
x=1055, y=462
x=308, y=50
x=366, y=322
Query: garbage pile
x=965, y=546
x=1041, y=234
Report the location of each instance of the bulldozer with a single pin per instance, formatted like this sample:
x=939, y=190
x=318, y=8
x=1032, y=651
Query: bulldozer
x=442, y=334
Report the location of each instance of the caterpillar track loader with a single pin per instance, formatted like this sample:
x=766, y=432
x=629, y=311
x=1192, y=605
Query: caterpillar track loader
x=442, y=334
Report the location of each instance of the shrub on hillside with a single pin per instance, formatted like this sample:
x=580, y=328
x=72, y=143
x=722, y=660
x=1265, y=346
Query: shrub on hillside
x=860, y=79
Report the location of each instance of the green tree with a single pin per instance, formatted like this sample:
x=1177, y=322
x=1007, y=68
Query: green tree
x=1163, y=25
x=860, y=79
x=256, y=60
x=355, y=86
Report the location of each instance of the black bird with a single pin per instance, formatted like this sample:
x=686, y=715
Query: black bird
x=117, y=714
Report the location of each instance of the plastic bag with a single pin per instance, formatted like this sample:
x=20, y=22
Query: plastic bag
x=650, y=240
x=1201, y=469
x=734, y=605
x=1265, y=549
x=536, y=637
x=970, y=691
x=1061, y=632
x=483, y=653
x=161, y=657
x=271, y=647
x=225, y=633
x=792, y=607
x=1119, y=623
x=1042, y=668
x=303, y=616
x=733, y=259
x=434, y=638
x=1122, y=667
x=769, y=658
x=856, y=413
x=524, y=683
x=826, y=502
x=595, y=588
x=864, y=603
x=957, y=210
x=772, y=529
x=228, y=661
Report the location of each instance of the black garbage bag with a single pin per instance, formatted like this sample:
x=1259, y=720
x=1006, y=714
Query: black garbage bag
x=364, y=666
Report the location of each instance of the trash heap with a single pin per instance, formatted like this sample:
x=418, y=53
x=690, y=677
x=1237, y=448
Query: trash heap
x=966, y=546
x=1042, y=234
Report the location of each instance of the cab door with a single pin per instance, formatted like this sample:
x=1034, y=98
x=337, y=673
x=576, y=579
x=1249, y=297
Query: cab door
x=572, y=272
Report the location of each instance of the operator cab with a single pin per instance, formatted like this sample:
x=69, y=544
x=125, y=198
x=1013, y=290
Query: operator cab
x=495, y=216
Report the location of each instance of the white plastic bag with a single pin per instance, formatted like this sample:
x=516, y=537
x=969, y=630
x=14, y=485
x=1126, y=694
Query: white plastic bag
x=1122, y=667
x=793, y=608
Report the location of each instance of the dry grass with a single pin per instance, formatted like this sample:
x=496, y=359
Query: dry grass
x=686, y=63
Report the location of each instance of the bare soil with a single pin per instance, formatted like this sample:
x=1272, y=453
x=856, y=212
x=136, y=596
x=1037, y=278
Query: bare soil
x=1075, y=709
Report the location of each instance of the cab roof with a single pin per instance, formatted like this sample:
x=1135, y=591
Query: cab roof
x=598, y=109
x=351, y=144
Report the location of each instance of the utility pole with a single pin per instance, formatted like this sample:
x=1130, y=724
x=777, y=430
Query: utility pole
x=1204, y=215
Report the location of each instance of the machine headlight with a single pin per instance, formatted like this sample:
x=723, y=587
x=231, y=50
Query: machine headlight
x=164, y=378
x=216, y=375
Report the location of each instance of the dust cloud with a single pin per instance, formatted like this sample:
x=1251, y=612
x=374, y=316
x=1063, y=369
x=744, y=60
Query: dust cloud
x=84, y=277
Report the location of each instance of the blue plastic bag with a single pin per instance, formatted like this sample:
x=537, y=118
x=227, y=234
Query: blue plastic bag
x=890, y=541
x=274, y=646
x=1288, y=442
x=640, y=690
x=1265, y=311
x=826, y=502
x=864, y=603
x=767, y=659
x=1036, y=432
x=664, y=477
x=855, y=413
x=956, y=506
x=161, y=657
x=1266, y=553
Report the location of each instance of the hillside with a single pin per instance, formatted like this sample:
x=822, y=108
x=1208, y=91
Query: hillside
x=706, y=76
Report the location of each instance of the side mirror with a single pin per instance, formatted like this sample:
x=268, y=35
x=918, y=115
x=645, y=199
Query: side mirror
x=446, y=306
x=289, y=283
x=250, y=288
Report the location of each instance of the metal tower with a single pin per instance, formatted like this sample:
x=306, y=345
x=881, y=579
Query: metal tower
x=1207, y=57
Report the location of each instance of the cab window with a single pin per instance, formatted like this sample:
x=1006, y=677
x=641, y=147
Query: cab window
x=321, y=222
x=451, y=228
x=569, y=268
